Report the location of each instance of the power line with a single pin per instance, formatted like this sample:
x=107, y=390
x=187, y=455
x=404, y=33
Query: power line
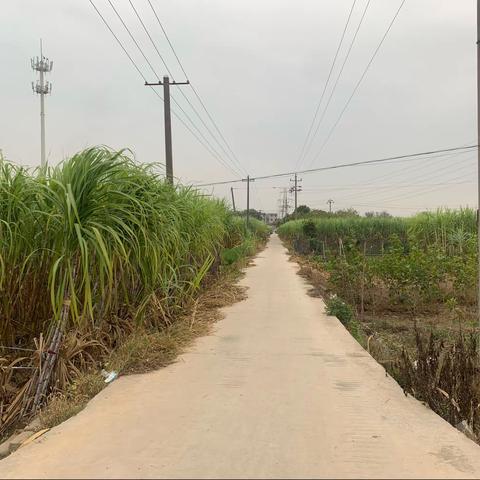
x=438, y=173
x=392, y=185
x=409, y=157
x=137, y=68
x=158, y=78
x=407, y=195
x=417, y=194
x=394, y=207
x=233, y=167
x=402, y=173
x=362, y=77
x=347, y=56
x=202, y=103
x=151, y=39
x=118, y=40
x=133, y=39
x=301, y=156
x=170, y=73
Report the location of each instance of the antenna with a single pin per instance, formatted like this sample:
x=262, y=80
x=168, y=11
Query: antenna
x=41, y=87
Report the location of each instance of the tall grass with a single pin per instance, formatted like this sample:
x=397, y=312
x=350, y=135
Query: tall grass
x=104, y=238
x=451, y=230
x=331, y=233
x=446, y=228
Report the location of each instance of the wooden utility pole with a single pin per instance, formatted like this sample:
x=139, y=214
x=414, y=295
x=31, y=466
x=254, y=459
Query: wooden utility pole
x=248, y=180
x=233, y=199
x=168, y=123
x=478, y=158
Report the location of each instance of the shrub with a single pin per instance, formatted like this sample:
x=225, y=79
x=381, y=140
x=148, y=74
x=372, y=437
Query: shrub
x=338, y=308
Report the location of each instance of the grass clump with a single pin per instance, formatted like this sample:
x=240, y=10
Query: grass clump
x=64, y=405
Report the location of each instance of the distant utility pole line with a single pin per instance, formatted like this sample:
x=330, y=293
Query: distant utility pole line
x=168, y=123
x=42, y=65
x=330, y=202
x=296, y=188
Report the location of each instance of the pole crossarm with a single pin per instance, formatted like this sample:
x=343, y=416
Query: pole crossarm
x=148, y=84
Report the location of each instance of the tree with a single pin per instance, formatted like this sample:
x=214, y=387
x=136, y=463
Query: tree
x=348, y=212
x=302, y=210
x=253, y=213
x=383, y=214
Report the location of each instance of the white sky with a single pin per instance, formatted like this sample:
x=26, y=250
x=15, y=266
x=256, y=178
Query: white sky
x=260, y=66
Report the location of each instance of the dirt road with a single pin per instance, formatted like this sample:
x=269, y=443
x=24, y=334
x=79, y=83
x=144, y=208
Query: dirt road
x=279, y=390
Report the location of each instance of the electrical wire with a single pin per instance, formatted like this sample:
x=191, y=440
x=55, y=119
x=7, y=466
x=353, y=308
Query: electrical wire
x=137, y=68
x=239, y=170
x=196, y=93
x=417, y=194
x=302, y=153
x=362, y=77
x=409, y=157
x=347, y=56
x=438, y=173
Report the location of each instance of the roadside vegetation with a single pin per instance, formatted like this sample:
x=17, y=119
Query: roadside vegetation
x=101, y=262
x=406, y=289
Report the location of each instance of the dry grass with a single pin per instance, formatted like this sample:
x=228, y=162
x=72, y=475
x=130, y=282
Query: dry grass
x=63, y=405
x=146, y=350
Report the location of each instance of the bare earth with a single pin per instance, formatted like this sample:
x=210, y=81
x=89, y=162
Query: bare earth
x=280, y=390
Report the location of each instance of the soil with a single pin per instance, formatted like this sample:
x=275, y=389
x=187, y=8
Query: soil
x=387, y=331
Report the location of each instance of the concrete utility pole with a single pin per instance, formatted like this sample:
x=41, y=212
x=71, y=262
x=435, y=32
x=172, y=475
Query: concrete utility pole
x=330, y=202
x=168, y=123
x=43, y=66
x=233, y=199
x=296, y=189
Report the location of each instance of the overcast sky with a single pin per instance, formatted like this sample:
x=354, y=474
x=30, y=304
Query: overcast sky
x=260, y=66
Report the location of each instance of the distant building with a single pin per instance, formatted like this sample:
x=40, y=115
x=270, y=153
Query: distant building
x=269, y=218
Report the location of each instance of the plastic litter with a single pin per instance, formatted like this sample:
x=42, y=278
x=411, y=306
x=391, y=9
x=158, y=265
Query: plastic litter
x=109, y=376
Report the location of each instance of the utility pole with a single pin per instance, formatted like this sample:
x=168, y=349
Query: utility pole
x=478, y=154
x=42, y=65
x=330, y=202
x=296, y=189
x=233, y=199
x=168, y=123
x=248, y=180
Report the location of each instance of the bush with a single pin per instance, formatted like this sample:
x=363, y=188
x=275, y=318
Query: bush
x=338, y=308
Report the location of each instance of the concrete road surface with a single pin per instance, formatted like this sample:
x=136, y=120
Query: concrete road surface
x=279, y=390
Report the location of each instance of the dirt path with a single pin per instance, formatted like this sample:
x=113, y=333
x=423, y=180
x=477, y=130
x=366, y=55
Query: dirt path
x=280, y=390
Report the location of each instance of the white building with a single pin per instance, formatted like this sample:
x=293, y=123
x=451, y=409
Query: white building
x=269, y=218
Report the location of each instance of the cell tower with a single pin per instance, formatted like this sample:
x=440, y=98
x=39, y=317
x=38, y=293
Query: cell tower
x=42, y=87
